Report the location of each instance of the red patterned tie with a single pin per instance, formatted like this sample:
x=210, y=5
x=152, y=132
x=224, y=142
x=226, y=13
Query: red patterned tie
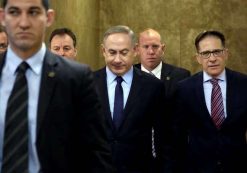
x=217, y=108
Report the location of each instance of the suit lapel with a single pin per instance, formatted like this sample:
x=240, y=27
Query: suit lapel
x=165, y=75
x=232, y=96
x=135, y=92
x=205, y=115
x=102, y=87
x=2, y=61
x=47, y=86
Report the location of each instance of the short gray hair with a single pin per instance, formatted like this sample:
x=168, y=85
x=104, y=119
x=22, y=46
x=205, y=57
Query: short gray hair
x=120, y=29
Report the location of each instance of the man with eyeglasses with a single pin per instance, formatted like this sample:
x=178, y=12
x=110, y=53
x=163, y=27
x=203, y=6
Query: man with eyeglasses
x=143, y=105
x=210, y=118
x=3, y=39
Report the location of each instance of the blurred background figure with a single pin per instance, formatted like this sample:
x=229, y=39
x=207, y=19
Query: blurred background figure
x=3, y=39
x=63, y=42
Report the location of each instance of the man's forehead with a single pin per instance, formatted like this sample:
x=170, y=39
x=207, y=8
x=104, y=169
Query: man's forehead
x=24, y=4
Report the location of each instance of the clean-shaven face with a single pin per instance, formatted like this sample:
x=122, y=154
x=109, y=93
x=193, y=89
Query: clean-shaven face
x=215, y=63
x=119, y=53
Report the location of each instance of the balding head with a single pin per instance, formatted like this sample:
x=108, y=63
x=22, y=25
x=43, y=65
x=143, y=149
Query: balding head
x=150, y=49
x=149, y=33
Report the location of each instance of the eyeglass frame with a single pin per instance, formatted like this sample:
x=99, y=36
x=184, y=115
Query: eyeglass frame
x=215, y=53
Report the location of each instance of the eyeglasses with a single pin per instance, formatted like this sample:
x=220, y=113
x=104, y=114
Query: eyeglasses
x=207, y=54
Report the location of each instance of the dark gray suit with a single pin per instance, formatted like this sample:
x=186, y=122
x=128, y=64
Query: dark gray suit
x=71, y=135
x=131, y=143
x=199, y=146
x=170, y=75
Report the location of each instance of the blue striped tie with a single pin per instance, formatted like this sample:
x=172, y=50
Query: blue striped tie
x=15, y=148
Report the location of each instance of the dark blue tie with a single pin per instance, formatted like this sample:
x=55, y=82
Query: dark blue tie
x=118, y=103
x=15, y=148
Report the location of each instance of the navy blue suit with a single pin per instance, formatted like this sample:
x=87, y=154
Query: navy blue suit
x=131, y=143
x=199, y=146
x=171, y=75
x=71, y=135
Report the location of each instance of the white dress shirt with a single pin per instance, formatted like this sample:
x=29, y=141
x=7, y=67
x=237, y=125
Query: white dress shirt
x=33, y=75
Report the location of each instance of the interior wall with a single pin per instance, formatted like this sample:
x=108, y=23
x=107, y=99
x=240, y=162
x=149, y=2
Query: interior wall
x=178, y=21
x=82, y=17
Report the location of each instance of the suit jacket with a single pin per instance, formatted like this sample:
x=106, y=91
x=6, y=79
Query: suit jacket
x=170, y=75
x=132, y=142
x=71, y=134
x=199, y=145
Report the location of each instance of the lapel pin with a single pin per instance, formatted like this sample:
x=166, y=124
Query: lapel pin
x=168, y=78
x=51, y=74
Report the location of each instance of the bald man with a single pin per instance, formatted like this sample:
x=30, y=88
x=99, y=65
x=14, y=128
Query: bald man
x=151, y=52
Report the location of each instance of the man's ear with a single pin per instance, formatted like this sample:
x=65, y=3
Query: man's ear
x=198, y=58
x=102, y=48
x=2, y=16
x=50, y=17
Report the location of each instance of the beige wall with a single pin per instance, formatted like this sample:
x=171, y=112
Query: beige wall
x=179, y=21
x=82, y=17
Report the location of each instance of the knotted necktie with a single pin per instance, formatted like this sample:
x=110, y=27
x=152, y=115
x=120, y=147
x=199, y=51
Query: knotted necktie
x=15, y=147
x=217, y=108
x=118, y=103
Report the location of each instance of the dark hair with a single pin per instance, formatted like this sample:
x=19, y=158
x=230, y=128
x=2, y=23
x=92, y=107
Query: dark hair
x=44, y=2
x=211, y=33
x=2, y=29
x=63, y=31
x=120, y=29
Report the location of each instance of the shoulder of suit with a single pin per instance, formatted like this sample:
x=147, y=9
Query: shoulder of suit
x=175, y=68
x=235, y=74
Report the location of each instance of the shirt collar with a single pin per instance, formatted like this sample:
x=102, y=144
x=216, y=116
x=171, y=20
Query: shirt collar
x=35, y=62
x=156, y=71
x=127, y=77
x=221, y=77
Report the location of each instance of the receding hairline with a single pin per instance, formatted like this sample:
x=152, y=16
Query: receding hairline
x=120, y=29
x=149, y=32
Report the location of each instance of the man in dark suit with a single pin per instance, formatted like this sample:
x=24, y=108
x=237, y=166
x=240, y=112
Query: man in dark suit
x=144, y=102
x=151, y=51
x=66, y=130
x=209, y=137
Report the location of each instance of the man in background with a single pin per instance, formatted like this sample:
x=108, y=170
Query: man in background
x=3, y=39
x=63, y=42
x=151, y=51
